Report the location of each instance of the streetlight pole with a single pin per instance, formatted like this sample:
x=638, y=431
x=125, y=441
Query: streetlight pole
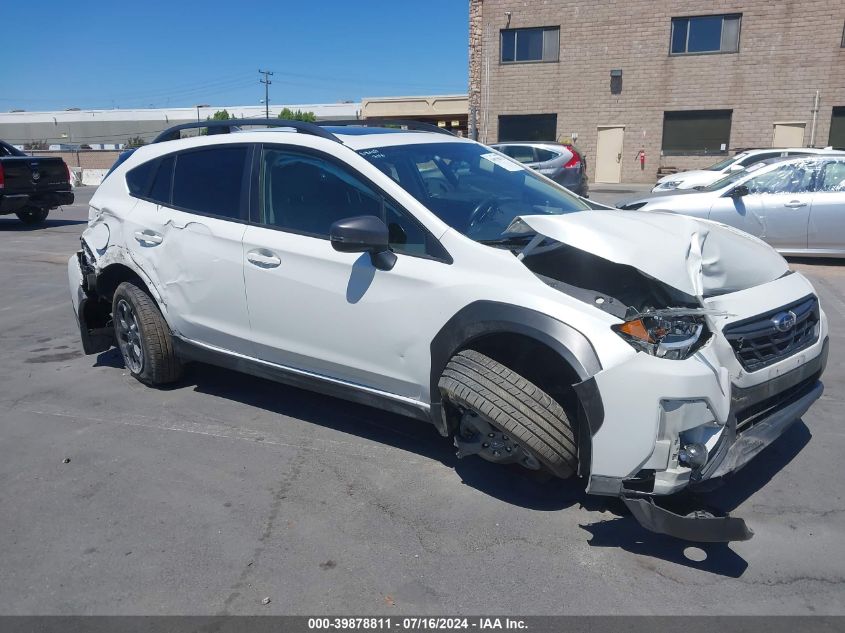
x=198, y=106
x=266, y=81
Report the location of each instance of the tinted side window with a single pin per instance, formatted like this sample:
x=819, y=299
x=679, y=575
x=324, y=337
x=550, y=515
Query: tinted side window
x=307, y=194
x=522, y=153
x=545, y=154
x=210, y=181
x=162, y=181
x=138, y=179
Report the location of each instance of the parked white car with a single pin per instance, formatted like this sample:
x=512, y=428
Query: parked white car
x=431, y=276
x=703, y=177
x=793, y=204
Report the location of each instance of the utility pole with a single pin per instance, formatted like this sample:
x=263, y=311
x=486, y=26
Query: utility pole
x=266, y=81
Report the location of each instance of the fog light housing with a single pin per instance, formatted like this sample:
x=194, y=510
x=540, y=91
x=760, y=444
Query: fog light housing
x=693, y=455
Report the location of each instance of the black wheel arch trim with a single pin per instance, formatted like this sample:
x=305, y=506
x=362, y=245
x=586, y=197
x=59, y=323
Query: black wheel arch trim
x=482, y=318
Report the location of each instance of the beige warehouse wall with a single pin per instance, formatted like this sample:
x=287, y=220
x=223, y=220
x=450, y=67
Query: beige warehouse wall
x=788, y=50
x=83, y=159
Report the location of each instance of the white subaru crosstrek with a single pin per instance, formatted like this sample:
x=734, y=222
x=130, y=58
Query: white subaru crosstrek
x=432, y=276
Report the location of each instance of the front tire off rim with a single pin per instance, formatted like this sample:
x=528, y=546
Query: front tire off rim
x=476, y=436
x=129, y=337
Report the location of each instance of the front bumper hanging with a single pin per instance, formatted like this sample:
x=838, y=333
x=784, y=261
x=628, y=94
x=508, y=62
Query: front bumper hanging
x=774, y=417
x=699, y=527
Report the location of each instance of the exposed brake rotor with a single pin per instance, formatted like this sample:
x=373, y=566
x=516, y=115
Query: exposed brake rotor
x=476, y=436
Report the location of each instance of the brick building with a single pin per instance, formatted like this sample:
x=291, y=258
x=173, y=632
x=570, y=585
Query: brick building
x=685, y=81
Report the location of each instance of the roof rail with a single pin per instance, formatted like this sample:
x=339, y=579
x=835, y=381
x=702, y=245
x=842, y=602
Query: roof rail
x=406, y=124
x=232, y=125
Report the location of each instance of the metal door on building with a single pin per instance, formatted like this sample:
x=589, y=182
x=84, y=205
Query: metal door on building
x=609, y=154
x=788, y=135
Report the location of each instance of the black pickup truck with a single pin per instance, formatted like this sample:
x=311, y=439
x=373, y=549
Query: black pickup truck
x=30, y=186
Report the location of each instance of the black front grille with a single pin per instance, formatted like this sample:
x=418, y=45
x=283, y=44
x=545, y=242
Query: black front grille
x=757, y=342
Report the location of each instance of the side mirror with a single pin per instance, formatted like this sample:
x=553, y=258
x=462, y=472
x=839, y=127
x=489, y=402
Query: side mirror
x=739, y=191
x=364, y=234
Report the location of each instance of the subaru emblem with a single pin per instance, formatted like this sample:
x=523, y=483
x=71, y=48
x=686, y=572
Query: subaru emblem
x=784, y=321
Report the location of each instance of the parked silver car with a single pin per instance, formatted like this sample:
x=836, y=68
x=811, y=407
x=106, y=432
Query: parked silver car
x=794, y=204
x=703, y=177
x=561, y=162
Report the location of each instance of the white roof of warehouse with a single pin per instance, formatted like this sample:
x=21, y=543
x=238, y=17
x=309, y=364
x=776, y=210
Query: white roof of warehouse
x=321, y=110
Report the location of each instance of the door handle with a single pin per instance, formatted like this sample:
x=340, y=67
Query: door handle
x=795, y=204
x=263, y=258
x=619, y=157
x=148, y=237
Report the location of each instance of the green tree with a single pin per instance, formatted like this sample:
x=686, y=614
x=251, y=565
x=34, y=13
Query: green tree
x=135, y=141
x=221, y=115
x=297, y=115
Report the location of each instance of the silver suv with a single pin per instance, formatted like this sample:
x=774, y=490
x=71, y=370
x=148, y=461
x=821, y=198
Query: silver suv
x=562, y=163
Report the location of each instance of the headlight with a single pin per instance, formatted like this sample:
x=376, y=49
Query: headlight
x=674, y=337
x=672, y=184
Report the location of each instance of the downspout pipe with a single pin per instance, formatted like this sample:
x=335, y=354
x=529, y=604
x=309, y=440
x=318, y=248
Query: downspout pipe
x=815, y=118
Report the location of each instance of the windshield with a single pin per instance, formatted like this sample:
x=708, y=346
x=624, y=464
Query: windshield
x=722, y=164
x=732, y=177
x=470, y=187
x=8, y=150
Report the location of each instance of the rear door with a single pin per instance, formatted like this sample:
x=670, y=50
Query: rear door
x=187, y=231
x=826, y=230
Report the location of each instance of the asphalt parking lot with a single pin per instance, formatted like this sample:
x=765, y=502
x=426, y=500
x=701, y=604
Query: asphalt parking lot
x=225, y=490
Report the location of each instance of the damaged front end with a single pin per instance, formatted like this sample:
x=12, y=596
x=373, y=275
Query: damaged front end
x=730, y=346
x=92, y=312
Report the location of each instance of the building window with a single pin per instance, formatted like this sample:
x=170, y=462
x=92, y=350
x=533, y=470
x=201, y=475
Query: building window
x=837, y=128
x=705, y=34
x=527, y=127
x=531, y=45
x=696, y=132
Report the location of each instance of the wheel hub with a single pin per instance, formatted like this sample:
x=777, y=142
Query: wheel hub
x=476, y=436
x=129, y=337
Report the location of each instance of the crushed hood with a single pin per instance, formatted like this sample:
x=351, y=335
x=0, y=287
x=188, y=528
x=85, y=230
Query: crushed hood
x=698, y=257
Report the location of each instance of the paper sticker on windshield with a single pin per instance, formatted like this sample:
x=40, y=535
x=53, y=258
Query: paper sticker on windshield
x=501, y=161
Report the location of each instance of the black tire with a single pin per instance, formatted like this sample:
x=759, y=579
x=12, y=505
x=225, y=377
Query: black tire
x=514, y=405
x=159, y=363
x=32, y=215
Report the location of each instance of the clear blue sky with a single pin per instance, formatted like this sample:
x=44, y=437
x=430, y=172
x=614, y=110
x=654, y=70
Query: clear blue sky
x=179, y=53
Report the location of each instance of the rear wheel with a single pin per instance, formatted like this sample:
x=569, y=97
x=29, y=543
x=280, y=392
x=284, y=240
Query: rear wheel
x=143, y=337
x=506, y=418
x=32, y=215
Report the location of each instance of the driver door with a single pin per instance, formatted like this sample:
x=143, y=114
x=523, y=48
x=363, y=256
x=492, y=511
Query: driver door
x=776, y=208
x=329, y=313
